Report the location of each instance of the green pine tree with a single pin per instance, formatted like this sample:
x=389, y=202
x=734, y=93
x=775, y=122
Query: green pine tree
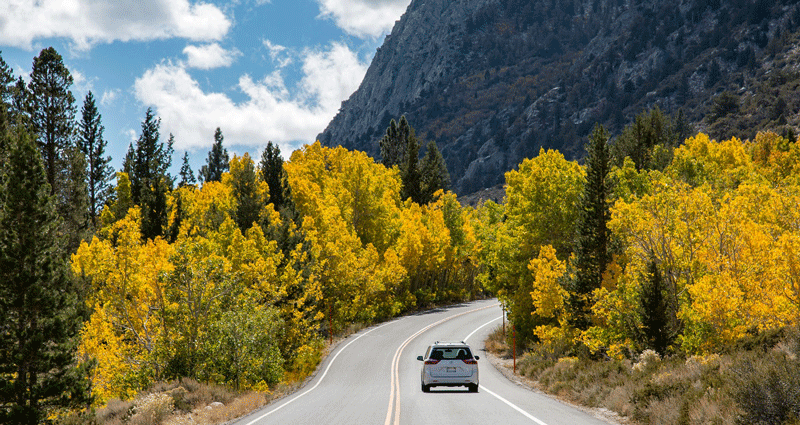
x=187, y=175
x=274, y=175
x=592, y=251
x=41, y=306
x=6, y=89
x=410, y=173
x=217, y=162
x=147, y=167
x=21, y=104
x=400, y=147
x=640, y=140
x=434, y=173
x=99, y=169
x=52, y=113
x=74, y=207
x=655, y=311
x=392, y=145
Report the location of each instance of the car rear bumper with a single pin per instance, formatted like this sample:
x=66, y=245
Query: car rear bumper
x=455, y=381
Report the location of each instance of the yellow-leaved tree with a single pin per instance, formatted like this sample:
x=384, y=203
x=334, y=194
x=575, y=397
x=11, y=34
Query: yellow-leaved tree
x=128, y=296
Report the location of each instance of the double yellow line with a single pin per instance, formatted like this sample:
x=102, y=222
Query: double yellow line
x=394, y=394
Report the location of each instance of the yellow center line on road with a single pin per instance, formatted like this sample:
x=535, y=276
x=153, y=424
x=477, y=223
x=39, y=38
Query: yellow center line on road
x=394, y=393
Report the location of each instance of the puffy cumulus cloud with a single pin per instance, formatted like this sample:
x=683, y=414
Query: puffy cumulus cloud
x=364, y=18
x=87, y=22
x=270, y=111
x=209, y=56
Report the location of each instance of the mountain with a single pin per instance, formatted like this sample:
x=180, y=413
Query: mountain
x=493, y=81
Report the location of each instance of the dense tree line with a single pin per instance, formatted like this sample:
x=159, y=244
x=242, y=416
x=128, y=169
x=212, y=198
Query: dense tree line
x=681, y=256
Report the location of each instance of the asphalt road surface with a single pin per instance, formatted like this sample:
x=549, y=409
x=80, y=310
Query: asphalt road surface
x=373, y=377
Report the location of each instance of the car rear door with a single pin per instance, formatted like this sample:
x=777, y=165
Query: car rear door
x=450, y=366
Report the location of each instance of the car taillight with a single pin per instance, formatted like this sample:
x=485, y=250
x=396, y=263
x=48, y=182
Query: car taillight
x=431, y=361
x=470, y=361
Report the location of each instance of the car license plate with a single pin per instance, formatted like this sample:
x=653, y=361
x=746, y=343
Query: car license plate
x=451, y=370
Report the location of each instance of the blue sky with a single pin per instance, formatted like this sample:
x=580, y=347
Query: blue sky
x=261, y=70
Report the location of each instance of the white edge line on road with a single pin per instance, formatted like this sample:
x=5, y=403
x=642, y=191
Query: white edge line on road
x=513, y=406
x=495, y=395
x=481, y=327
x=320, y=379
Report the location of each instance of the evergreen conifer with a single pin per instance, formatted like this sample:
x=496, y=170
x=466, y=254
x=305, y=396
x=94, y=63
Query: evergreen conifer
x=41, y=307
x=99, y=169
x=592, y=251
x=217, y=162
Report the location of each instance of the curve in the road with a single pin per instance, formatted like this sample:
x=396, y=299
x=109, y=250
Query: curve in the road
x=345, y=391
x=320, y=378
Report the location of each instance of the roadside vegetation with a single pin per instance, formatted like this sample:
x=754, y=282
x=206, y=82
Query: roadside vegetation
x=756, y=380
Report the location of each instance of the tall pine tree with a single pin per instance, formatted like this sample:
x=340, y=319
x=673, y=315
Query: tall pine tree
x=74, y=206
x=393, y=144
x=592, y=251
x=410, y=173
x=52, y=112
x=99, y=169
x=187, y=175
x=434, y=173
x=655, y=311
x=41, y=308
x=6, y=90
x=217, y=162
x=274, y=175
x=147, y=167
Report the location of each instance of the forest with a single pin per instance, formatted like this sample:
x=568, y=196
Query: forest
x=658, y=241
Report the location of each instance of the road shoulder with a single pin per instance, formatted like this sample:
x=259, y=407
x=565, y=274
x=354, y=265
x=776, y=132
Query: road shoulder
x=506, y=366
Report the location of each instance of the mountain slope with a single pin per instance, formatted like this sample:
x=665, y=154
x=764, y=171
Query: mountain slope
x=493, y=81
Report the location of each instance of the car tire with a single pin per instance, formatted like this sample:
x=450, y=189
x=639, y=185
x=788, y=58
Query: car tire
x=426, y=388
x=473, y=388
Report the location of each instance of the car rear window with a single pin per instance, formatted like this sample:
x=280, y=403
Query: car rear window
x=457, y=353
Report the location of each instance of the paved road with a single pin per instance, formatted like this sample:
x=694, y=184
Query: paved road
x=373, y=377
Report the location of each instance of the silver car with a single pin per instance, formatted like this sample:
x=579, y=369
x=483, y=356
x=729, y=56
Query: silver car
x=449, y=364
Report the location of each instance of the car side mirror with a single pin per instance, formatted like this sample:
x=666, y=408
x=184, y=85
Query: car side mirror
x=477, y=357
x=419, y=358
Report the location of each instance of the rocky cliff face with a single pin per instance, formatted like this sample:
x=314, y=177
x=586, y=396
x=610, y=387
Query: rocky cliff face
x=494, y=81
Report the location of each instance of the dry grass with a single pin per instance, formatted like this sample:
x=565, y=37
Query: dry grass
x=218, y=414
x=755, y=382
x=180, y=402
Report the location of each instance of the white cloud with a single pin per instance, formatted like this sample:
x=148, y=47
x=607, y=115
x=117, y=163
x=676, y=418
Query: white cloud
x=278, y=53
x=271, y=112
x=79, y=81
x=209, y=56
x=364, y=18
x=88, y=22
x=132, y=135
x=109, y=97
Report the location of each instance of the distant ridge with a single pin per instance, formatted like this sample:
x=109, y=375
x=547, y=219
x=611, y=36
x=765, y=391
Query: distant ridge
x=493, y=81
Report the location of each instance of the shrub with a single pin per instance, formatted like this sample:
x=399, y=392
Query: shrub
x=308, y=357
x=115, y=412
x=152, y=409
x=768, y=389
